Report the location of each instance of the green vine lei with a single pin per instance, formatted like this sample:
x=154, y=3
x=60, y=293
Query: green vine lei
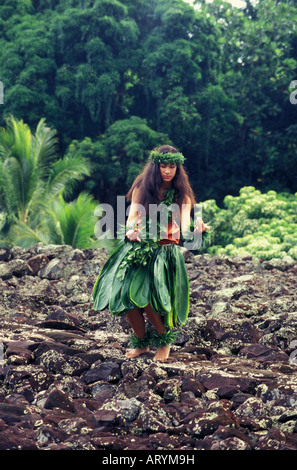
x=153, y=338
x=158, y=157
x=142, y=251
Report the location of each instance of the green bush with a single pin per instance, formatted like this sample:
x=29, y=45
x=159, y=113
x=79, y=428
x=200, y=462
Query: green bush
x=255, y=223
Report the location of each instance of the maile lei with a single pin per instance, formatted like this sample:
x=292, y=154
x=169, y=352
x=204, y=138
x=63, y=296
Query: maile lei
x=142, y=251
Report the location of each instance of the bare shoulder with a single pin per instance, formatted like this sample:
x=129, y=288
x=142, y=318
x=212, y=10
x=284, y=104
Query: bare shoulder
x=187, y=200
x=135, y=194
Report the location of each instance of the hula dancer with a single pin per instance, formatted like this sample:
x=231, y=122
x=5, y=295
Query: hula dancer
x=147, y=272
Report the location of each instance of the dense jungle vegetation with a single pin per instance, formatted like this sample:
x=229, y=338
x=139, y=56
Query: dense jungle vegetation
x=91, y=86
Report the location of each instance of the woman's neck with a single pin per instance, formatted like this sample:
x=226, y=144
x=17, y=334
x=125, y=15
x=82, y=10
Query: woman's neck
x=163, y=188
x=166, y=185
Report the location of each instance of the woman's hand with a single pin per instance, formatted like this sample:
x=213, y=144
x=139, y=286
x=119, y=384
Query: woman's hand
x=200, y=226
x=133, y=234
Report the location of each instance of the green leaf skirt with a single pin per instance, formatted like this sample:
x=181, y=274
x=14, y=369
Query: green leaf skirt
x=159, y=279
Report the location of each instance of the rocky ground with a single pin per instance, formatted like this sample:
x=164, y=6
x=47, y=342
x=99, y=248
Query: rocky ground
x=230, y=381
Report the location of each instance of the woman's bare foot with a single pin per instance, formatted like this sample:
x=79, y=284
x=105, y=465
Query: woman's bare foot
x=162, y=353
x=136, y=352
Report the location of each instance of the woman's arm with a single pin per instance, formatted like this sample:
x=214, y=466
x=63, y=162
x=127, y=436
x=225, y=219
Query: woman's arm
x=185, y=219
x=133, y=233
x=185, y=216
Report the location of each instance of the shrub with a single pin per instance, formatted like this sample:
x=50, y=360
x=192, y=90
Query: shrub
x=260, y=224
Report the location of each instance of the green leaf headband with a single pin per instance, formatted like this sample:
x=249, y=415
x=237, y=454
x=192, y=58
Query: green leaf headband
x=159, y=157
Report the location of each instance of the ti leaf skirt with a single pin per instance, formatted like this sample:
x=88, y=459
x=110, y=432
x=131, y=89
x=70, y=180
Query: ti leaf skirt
x=160, y=280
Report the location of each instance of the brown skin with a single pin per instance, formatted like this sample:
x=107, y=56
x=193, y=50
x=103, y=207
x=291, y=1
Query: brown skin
x=137, y=323
x=135, y=316
x=167, y=171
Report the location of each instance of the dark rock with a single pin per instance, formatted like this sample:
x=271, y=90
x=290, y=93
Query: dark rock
x=201, y=424
x=274, y=439
x=190, y=384
x=4, y=254
x=227, y=384
x=52, y=270
x=12, y=413
x=109, y=371
x=73, y=425
x=47, y=434
x=34, y=376
x=13, y=438
x=36, y=263
x=262, y=353
x=106, y=418
x=131, y=386
x=59, y=399
x=14, y=267
x=151, y=421
x=56, y=362
x=18, y=355
x=65, y=384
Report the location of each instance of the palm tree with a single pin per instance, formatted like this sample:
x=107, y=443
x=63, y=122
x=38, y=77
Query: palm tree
x=71, y=223
x=32, y=179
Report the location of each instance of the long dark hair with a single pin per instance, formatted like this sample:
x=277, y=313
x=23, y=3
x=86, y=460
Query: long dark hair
x=149, y=183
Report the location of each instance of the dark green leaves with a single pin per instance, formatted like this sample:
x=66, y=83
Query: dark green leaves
x=140, y=287
x=181, y=289
x=104, y=284
x=163, y=284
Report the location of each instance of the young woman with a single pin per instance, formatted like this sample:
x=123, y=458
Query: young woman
x=147, y=273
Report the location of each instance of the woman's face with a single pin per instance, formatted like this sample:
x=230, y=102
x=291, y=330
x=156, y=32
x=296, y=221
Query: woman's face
x=167, y=171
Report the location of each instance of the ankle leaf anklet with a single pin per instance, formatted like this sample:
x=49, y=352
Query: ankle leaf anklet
x=158, y=340
x=136, y=342
x=153, y=338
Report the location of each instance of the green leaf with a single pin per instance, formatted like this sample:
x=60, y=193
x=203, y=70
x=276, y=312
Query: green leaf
x=181, y=303
x=104, y=284
x=140, y=287
x=125, y=294
x=116, y=305
x=161, y=280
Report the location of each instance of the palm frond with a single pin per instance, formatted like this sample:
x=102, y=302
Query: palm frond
x=44, y=148
x=69, y=223
x=33, y=183
x=7, y=194
x=78, y=221
x=22, y=138
x=18, y=165
x=24, y=236
x=6, y=143
x=65, y=173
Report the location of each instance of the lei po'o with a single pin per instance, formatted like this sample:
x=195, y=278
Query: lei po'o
x=159, y=157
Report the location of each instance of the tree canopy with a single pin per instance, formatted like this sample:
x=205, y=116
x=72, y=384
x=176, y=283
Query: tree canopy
x=116, y=77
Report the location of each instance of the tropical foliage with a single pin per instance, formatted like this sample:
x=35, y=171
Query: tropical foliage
x=214, y=80
x=254, y=223
x=163, y=283
x=91, y=86
x=33, y=184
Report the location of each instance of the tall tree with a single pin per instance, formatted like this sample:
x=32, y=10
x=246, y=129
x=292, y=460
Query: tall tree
x=214, y=79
